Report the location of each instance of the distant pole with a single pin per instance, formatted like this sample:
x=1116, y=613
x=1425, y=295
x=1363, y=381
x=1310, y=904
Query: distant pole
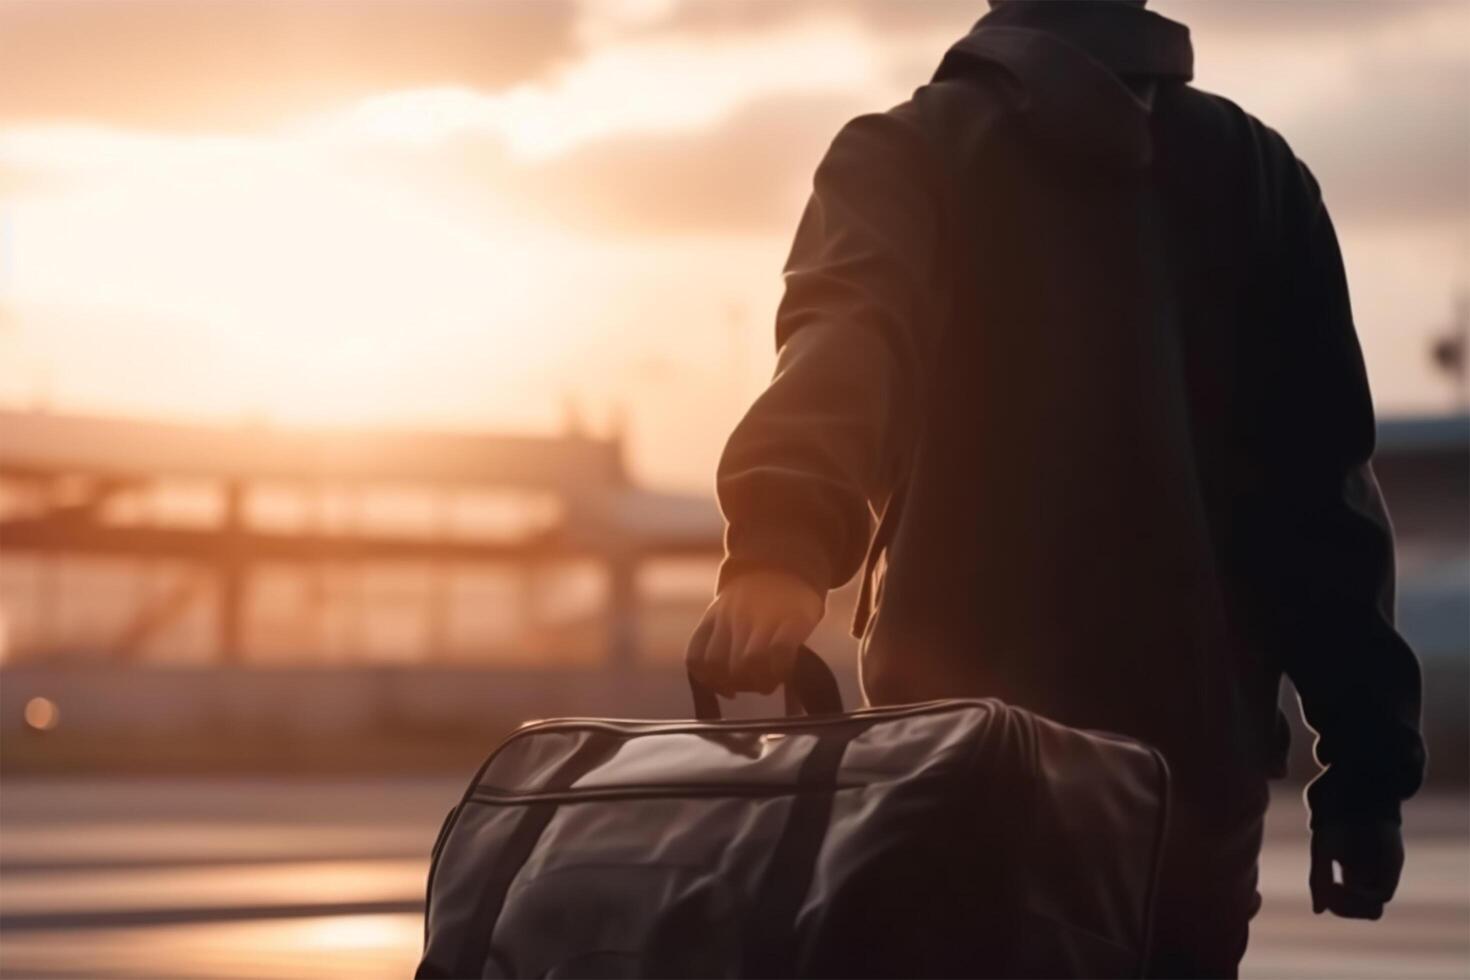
x=317, y=591
x=1450, y=351
x=357, y=614
x=617, y=436
x=572, y=423
x=438, y=604
x=622, y=609
x=231, y=576
x=48, y=571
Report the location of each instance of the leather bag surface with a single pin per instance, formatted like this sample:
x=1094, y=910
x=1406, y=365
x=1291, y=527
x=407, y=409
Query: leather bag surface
x=950, y=838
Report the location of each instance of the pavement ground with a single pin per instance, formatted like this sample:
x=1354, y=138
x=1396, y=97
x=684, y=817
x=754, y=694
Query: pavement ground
x=275, y=878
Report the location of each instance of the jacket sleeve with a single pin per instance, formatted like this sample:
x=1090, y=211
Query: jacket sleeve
x=1357, y=678
x=865, y=292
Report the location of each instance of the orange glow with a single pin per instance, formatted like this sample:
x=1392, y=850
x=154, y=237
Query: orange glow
x=422, y=244
x=42, y=714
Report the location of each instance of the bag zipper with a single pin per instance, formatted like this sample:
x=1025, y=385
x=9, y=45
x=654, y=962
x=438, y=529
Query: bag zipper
x=654, y=791
x=633, y=728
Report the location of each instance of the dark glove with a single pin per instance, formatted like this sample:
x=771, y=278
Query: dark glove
x=1371, y=854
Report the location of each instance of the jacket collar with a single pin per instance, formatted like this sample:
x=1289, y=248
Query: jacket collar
x=1067, y=58
x=1124, y=37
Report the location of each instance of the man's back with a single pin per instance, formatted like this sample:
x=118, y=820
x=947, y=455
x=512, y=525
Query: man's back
x=1056, y=541
x=1079, y=334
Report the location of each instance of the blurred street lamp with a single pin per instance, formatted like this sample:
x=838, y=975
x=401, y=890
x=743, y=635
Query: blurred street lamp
x=41, y=714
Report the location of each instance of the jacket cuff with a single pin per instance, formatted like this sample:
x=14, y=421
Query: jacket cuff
x=1368, y=779
x=793, y=549
x=1334, y=797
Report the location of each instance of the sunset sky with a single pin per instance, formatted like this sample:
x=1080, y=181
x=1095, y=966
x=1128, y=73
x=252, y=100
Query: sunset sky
x=455, y=215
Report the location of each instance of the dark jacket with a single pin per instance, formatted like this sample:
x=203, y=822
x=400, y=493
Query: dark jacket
x=1078, y=334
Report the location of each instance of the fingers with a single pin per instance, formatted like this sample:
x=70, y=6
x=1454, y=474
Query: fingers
x=729, y=653
x=1366, y=887
x=783, y=646
x=769, y=655
x=748, y=638
x=1340, y=899
x=1319, y=878
x=1351, y=900
x=750, y=666
x=1371, y=881
x=698, y=642
x=1348, y=904
x=1369, y=866
x=707, y=656
x=743, y=627
x=717, y=659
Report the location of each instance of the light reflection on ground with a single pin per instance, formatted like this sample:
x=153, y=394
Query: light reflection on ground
x=276, y=878
x=211, y=887
x=365, y=946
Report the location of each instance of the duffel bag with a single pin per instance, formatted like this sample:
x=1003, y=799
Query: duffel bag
x=962, y=837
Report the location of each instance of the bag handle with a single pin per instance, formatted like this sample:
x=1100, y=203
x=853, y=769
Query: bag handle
x=811, y=689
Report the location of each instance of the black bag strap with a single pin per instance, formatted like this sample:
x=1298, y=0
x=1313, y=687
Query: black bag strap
x=770, y=935
x=770, y=939
x=811, y=690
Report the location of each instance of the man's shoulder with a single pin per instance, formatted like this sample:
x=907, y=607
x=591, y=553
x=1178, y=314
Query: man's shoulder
x=1232, y=122
x=920, y=128
x=897, y=139
x=1283, y=176
x=980, y=99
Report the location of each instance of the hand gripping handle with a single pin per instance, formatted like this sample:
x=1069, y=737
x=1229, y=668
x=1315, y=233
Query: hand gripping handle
x=811, y=689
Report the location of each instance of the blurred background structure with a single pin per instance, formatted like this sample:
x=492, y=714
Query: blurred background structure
x=252, y=589
x=363, y=370
x=255, y=590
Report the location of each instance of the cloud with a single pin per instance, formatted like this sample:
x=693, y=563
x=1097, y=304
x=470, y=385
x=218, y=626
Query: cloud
x=182, y=64
x=1394, y=148
x=645, y=86
x=1377, y=102
x=651, y=117
x=881, y=17
x=944, y=20
x=750, y=174
x=644, y=135
x=1301, y=20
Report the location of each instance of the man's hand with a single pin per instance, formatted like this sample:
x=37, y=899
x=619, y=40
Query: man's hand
x=748, y=638
x=1371, y=854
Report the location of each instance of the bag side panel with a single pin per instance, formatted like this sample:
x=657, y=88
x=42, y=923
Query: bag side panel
x=1096, y=841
